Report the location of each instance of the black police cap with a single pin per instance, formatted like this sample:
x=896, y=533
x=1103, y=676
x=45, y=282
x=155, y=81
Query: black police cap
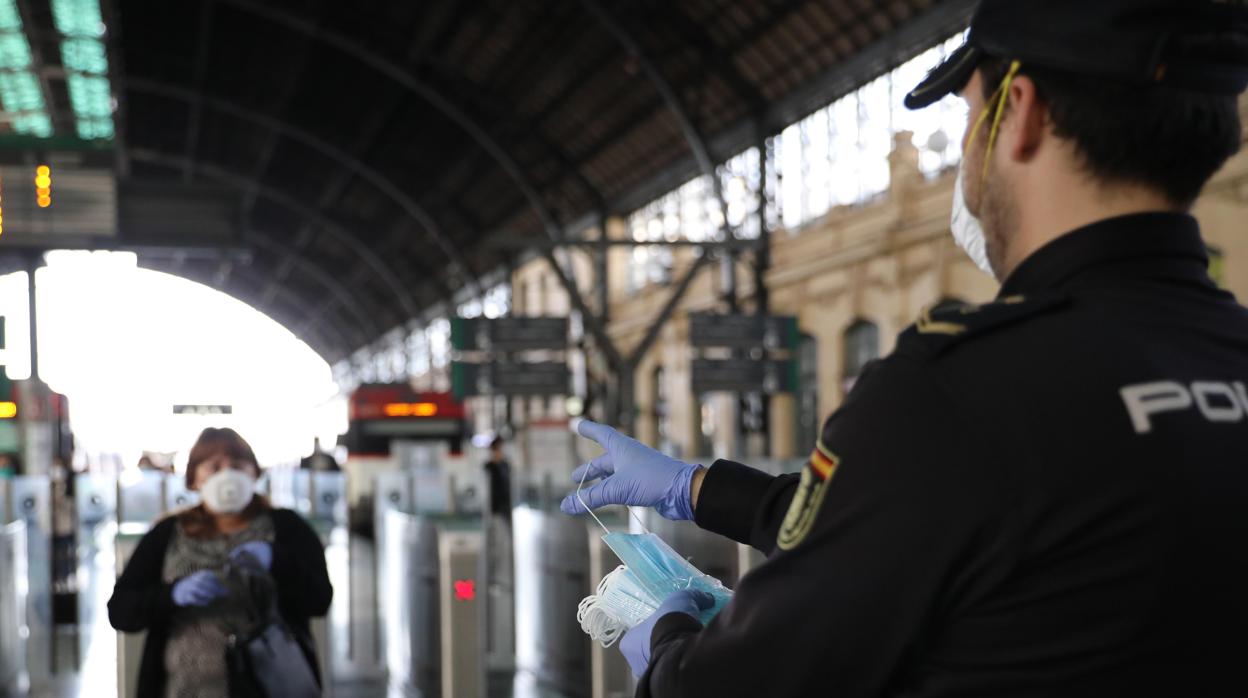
x=1140, y=42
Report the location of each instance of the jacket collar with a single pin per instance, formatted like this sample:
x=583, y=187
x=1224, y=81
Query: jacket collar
x=1125, y=238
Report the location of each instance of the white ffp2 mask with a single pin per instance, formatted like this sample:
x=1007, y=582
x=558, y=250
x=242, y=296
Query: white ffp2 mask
x=968, y=232
x=228, y=492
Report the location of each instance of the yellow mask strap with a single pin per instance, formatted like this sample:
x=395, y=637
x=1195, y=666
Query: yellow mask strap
x=1000, y=97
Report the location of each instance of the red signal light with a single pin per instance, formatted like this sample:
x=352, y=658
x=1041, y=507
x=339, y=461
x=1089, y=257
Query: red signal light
x=465, y=590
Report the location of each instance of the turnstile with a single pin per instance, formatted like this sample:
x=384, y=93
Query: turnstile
x=28, y=499
x=140, y=498
x=95, y=500
x=430, y=603
x=459, y=604
x=14, y=679
x=552, y=576
x=176, y=494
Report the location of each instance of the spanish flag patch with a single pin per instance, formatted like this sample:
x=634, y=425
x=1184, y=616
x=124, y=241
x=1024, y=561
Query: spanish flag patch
x=822, y=462
x=809, y=497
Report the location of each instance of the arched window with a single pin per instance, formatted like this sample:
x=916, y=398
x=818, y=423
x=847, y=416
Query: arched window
x=862, y=346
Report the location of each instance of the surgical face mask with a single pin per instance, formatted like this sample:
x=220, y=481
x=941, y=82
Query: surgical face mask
x=228, y=491
x=661, y=570
x=630, y=594
x=652, y=571
x=968, y=232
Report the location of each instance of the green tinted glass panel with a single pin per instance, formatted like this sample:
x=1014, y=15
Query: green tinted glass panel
x=86, y=61
x=10, y=20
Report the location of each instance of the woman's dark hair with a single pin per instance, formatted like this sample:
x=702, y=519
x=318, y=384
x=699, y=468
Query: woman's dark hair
x=214, y=442
x=196, y=521
x=1171, y=139
x=497, y=443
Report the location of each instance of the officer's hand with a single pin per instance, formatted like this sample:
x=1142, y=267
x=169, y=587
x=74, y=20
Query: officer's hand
x=631, y=473
x=636, y=642
x=259, y=551
x=198, y=589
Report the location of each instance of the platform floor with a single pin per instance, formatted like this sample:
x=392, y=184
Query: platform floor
x=85, y=657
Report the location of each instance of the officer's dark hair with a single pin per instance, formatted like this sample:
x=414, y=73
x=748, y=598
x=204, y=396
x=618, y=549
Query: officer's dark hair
x=1165, y=137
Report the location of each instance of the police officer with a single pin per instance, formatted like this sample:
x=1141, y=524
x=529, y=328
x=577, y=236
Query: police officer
x=1043, y=496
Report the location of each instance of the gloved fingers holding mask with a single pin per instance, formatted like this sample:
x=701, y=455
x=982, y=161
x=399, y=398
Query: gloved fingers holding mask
x=635, y=646
x=630, y=473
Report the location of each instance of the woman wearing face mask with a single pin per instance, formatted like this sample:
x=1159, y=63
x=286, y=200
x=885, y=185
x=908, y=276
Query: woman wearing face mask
x=172, y=587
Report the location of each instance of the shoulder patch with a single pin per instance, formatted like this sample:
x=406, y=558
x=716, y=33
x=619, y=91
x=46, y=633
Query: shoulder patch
x=809, y=497
x=941, y=328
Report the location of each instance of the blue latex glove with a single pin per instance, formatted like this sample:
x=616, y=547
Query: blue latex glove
x=259, y=550
x=635, y=645
x=198, y=589
x=633, y=474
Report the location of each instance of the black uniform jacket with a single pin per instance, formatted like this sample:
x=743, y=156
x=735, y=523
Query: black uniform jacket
x=142, y=601
x=1043, y=496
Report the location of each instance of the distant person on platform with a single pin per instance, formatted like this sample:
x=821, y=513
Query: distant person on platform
x=320, y=459
x=498, y=470
x=174, y=584
x=147, y=464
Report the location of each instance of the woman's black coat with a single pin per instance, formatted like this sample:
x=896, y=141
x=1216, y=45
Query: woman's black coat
x=143, y=601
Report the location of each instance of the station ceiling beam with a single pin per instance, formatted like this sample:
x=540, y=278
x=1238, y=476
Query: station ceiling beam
x=193, y=122
x=268, y=241
x=414, y=210
x=458, y=115
x=348, y=238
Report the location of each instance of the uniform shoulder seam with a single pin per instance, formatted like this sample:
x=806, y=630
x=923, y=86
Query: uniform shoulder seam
x=939, y=329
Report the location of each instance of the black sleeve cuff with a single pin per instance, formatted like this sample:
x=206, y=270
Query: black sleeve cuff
x=730, y=497
x=670, y=627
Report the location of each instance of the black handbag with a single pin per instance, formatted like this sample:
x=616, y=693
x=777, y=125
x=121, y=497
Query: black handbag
x=264, y=657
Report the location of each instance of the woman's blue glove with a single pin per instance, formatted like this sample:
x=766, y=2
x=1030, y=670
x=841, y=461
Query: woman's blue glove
x=635, y=645
x=261, y=551
x=198, y=589
x=633, y=474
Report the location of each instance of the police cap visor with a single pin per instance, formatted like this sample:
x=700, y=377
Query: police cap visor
x=1141, y=42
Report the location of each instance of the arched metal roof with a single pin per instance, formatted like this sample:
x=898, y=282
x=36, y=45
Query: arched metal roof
x=380, y=146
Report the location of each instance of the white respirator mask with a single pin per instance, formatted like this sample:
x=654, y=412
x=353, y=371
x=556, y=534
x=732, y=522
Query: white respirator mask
x=229, y=491
x=968, y=232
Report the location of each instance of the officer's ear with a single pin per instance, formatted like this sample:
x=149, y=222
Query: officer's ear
x=1026, y=124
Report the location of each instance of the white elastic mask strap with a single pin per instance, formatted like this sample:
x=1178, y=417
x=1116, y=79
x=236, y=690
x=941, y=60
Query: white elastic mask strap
x=583, y=504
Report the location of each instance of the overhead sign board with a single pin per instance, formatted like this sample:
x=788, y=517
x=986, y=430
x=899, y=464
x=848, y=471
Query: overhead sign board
x=499, y=378
x=509, y=333
x=743, y=375
x=60, y=204
x=738, y=331
x=210, y=410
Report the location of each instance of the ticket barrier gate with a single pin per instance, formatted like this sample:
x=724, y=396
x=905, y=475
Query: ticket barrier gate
x=28, y=499
x=714, y=555
x=14, y=679
x=95, y=500
x=551, y=577
x=430, y=603
x=320, y=496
